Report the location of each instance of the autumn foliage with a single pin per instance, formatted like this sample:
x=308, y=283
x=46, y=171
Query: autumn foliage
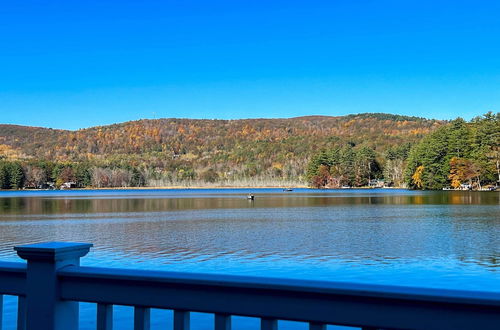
x=175, y=151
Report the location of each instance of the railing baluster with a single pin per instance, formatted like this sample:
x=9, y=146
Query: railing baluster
x=268, y=324
x=142, y=316
x=1, y=311
x=181, y=320
x=222, y=322
x=104, y=317
x=317, y=326
x=21, y=313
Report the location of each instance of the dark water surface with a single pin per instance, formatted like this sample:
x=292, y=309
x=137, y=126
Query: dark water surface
x=446, y=239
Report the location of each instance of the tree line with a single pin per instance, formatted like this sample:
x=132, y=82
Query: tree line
x=353, y=151
x=46, y=174
x=351, y=165
x=459, y=155
x=191, y=152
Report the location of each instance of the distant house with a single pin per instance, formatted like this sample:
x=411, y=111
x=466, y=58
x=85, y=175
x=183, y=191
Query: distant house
x=465, y=186
x=376, y=183
x=68, y=185
x=47, y=185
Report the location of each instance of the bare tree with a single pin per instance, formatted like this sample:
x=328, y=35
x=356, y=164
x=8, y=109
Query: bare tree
x=34, y=176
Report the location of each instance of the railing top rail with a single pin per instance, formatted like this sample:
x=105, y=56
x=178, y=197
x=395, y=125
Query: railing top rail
x=12, y=278
x=310, y=301
x=289, y=285
x=12, y=267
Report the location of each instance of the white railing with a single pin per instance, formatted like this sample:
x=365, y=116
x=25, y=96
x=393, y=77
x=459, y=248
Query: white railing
x=52, y=283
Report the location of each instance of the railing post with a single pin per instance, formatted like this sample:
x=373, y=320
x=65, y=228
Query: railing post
x=44, y=309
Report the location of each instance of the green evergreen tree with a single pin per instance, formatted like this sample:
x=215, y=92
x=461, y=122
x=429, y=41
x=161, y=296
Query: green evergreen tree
x=487, y=143
x=82, y=175
x=472, y=143
x=459, y=139
x=322, y=158
x=4, y=176
x=16, y=175
x=137, y=178
x=366, y=166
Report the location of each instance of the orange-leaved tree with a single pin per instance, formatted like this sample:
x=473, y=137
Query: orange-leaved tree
x=417, y=176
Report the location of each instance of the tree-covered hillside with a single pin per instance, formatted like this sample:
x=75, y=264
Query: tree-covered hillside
x=167, y=151
x=458, y=155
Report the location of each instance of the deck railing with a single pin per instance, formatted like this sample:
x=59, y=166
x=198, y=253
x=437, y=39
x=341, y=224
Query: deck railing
x=52, y=283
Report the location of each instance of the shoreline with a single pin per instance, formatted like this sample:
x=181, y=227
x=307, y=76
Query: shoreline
x=204, y=188
x=165, y=188
x=191, y=187
x=226, y=187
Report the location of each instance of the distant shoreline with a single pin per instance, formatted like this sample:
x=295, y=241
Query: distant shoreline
x=166, y=188
x=222, y=188
x=192, y=187
x=204, y=188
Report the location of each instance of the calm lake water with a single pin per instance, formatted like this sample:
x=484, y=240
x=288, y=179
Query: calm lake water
x=446, y=239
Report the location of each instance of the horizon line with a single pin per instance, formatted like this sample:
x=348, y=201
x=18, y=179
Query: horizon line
x=228, y=119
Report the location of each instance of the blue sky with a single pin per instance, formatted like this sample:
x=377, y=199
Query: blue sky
x=74, y=64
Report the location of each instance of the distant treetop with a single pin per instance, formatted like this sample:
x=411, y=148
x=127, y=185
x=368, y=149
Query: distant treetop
x=385, y=116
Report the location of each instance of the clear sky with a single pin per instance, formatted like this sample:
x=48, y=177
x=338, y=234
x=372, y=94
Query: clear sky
x=74, y=64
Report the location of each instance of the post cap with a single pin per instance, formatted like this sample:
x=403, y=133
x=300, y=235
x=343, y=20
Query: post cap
x=53, y=251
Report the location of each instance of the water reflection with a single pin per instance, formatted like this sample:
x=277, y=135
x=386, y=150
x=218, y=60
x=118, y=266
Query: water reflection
x=221, y=231
x=86, y=202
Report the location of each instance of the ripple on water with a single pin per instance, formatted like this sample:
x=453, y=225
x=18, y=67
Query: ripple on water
x=431, y=239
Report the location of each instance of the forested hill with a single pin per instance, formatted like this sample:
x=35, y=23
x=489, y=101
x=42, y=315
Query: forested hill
x=277, y=148
x=202, y=138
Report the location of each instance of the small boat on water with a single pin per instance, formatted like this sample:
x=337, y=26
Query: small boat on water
x=287, y=189
x=250, y=197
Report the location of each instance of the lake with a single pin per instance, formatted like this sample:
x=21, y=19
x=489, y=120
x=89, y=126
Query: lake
x=442, y=239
